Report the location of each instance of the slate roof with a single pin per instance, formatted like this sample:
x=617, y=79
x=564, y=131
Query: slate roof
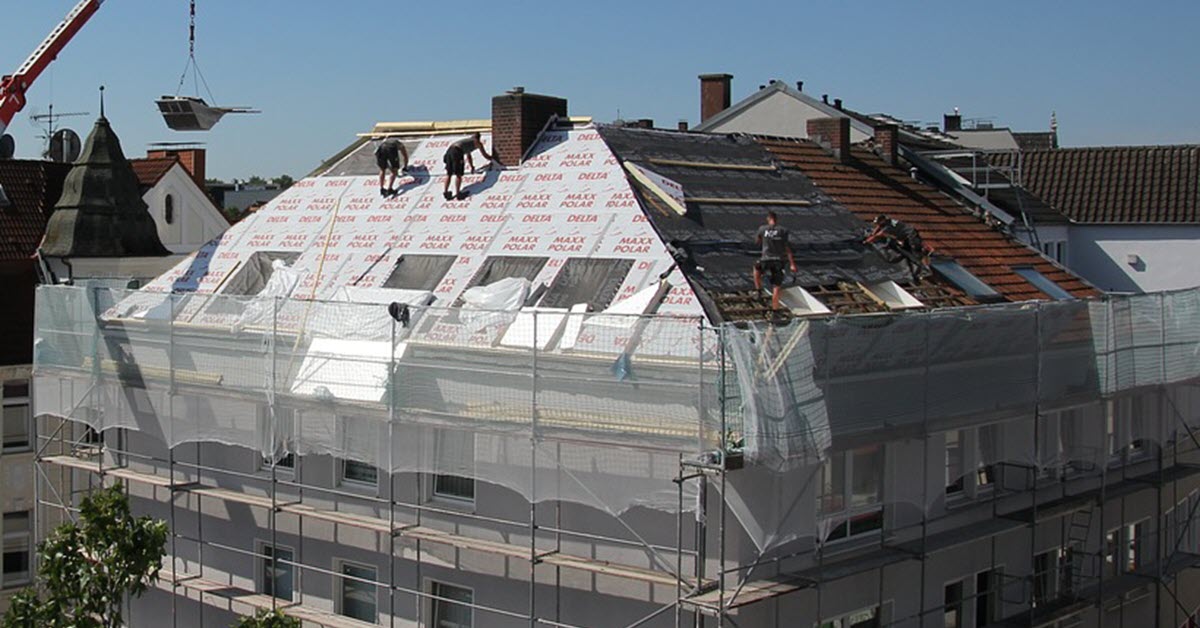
x=869, y=186
x=150, y=170
x=1117, y=184
x=32, y=187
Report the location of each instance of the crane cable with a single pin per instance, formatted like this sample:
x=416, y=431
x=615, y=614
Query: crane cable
x=197, y=75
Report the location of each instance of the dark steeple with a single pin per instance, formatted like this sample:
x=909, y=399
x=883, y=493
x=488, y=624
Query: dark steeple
x=101, y=212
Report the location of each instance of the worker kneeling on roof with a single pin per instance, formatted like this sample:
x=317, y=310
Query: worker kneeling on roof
x=774, y=241
x=387, y=157
x=453, y=159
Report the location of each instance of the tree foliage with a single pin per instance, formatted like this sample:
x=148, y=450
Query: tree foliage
x=88, y=568
x=268, y=619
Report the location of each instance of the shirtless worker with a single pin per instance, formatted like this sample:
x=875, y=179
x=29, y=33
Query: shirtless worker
x=454, y=163
x=387, y=157
x=774, y=242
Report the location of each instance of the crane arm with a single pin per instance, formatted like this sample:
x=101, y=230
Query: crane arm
x=13, y=87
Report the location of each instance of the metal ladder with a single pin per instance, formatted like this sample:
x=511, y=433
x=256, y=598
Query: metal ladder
x=1078, y=530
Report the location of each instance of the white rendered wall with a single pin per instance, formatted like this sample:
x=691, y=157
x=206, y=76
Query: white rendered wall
x=1166, y=256
x=196, y=219
x=778, y=114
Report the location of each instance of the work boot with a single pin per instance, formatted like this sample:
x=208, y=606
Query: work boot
x=447, y=195
x=383, y=192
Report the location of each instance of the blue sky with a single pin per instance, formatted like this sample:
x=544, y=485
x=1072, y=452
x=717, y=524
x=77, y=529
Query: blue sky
x=1115, y=72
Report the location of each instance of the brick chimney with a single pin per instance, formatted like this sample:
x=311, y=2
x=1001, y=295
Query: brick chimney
x=887, y=141
x=952, y=122
x=833, y=134
x=715, y=94
x=192, y=160
x=517, y=118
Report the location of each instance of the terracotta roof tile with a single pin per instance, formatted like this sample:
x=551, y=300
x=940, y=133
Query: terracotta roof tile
x=869, y=186
x=32, y=188
x=1116, y=184
x=151, y=170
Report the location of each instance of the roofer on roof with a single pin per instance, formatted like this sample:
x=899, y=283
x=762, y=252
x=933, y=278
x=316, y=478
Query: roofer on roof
x=903, y=238
x=387, y=157
x=454, y=163
x=774, y=241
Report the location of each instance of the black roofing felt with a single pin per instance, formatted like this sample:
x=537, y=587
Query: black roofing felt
x=716, y=241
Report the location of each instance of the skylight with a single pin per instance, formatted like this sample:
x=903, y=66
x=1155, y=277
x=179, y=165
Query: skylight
x=1039, y=281
x=965, y=281
x=892, y=295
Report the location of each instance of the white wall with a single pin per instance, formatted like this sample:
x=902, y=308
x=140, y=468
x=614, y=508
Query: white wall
x=778, y=114
x=1167, y=256
x=196, y=219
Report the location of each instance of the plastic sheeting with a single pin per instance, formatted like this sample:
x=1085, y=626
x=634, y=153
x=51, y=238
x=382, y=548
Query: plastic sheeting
x=601, y=413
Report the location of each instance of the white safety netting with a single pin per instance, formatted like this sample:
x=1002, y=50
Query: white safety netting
x=599, y=408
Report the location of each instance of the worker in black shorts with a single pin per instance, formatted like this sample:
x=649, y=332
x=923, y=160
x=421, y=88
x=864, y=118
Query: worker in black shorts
x=774, y=242
x=453, y=159
x=387, y=157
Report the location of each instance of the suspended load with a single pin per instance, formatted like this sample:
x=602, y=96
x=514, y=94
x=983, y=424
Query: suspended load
x=193, y=113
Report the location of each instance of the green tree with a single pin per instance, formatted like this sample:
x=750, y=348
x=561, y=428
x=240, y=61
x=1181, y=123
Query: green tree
x=283, y=181
x=268, y=619
x=255, y=180
x=87, y=569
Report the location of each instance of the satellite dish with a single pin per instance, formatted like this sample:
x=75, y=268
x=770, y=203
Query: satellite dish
x=65, y=146
x=8, y=147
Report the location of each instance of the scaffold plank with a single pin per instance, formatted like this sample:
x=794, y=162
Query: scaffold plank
x=244, y=601
x=419, y=533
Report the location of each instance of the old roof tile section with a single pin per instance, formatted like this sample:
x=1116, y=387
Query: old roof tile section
x=151, y=170
x=1117, y=184
x=868, y=186
x=32, y=188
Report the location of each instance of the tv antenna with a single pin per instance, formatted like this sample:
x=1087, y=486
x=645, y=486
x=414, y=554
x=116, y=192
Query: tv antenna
x=48, y=124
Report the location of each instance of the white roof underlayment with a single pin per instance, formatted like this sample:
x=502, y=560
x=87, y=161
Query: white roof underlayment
x=569, y=199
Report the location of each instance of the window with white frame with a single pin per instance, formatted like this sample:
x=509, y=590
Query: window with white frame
x=277, y=571
x=864, y=618
x=953, y=607
x=1135, y=539
x=359, y=474
x=16, y=529
x=455, y=450
x=987, y=447
x=851, y=492
x=1112, y=552
x=450, y=606
x=356, y=592
x=971, y=457
x=17, y=418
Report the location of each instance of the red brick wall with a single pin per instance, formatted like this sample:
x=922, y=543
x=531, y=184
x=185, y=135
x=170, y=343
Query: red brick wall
x=192, y=160
x=887, y=141
x=715, y=94
x=517, y=118
x=833, y=134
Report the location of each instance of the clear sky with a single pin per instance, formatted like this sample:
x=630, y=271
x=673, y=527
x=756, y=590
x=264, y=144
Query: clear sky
x=1116, y=72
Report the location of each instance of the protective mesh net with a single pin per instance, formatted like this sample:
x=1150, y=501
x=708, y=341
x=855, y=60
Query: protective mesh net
x=598, y=408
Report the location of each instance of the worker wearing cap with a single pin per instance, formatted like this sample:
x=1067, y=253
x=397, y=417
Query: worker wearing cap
x=773, y=239
x=453, y=159
x=387, y=157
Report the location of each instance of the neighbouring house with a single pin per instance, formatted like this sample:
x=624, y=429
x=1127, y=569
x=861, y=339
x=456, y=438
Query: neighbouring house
x=28, y=191
x=172, y=183
x=562, y=399
x=1134, y=211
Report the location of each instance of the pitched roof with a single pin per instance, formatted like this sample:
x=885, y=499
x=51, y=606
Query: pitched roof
x=31, y=187
x=780, y=87
x=150, y=170
x=1117, y=184
x=869, y=186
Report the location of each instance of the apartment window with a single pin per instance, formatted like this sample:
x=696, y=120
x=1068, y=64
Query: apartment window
x=169, y=209
x=1110, y=553
x=955, y=469
x=357, y=592
x=1134, y=541
x=360, y=473
x=419, y=272
x=1043, y=283
x=451, y=606
x=987, y=585
x=587, y=280
x=18, y=420
x=851, y=491
x=865, y=618
x=962, y=278
x=1068, y=558
x=277, y=572
x=1043, y=576
x=277, y=439
x=953, y=605
x=16, y=528
x=455, y=450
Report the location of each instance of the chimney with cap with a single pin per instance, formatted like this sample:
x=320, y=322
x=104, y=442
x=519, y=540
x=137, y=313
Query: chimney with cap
x=952, y=121
x=887, y=142
x=833, y=134
x=517, y=119
x=715, y=94
x=683, y=125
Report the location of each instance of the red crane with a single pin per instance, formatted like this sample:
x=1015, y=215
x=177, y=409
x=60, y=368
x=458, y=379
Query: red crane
x=13, y=87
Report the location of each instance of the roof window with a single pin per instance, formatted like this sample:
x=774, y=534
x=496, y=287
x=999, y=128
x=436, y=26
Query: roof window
x=419, y=272
x=953, y=272
x=587, y=280
x=1041, y=282
x=802, y=303
x=891, y=295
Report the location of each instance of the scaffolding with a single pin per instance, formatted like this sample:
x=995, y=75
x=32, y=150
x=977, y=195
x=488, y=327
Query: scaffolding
x=728, y=431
